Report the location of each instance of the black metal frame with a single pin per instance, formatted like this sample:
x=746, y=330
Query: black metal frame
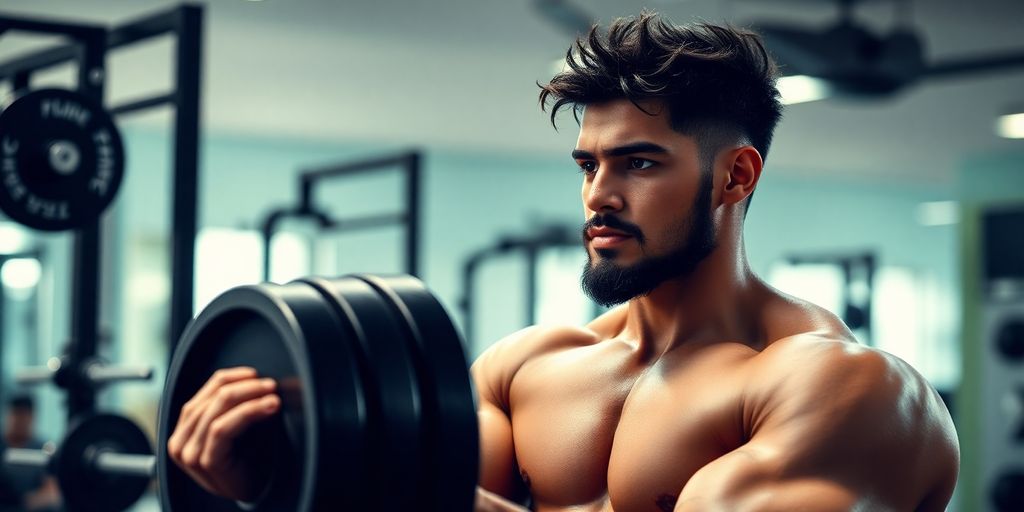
x=530, y=247
x=88, y=50
x=408, y=162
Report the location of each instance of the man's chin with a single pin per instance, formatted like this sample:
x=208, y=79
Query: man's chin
x=608, y=282
x=613, y=258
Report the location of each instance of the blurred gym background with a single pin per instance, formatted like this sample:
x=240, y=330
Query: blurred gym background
x=899, y=211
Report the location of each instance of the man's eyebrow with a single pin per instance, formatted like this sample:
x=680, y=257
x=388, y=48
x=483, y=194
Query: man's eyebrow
x=626, y=149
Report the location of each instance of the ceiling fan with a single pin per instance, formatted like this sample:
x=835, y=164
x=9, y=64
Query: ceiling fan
x=849, y=58
x=855, y=61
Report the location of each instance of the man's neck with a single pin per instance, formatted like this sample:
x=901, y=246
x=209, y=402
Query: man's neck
x=716, y=302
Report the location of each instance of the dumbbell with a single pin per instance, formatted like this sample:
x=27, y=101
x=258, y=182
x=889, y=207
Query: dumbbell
x=104, y=463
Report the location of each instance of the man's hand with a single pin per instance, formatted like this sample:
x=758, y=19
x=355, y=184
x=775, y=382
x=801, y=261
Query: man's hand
x=487, y=501
x=203, y=440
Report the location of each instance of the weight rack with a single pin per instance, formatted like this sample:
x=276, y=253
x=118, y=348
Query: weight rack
x=87, y=48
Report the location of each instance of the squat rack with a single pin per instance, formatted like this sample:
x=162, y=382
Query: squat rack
x=529, y=247
x=87, y=48
x=408, y=162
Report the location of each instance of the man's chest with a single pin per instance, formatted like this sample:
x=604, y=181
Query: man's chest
x=589, y=429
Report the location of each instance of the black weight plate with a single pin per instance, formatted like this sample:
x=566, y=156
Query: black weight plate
x=391, y=373
x=447, y=389
x=87, y=490
x=287, y=333
x=61, y=160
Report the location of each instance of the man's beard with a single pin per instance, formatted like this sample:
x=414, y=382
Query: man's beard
x=609, y=284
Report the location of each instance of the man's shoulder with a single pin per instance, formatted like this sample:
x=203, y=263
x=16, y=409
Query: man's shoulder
x=815, y=364
x=838, y=400
x=521, y=346
x=856, y=390
x=495, y=368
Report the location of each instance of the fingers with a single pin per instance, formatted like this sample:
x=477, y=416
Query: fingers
x=218, y=403
x=230, y=401
x=230, y=425
x=192, y=410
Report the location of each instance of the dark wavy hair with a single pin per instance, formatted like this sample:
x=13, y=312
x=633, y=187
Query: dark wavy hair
x=718, y=82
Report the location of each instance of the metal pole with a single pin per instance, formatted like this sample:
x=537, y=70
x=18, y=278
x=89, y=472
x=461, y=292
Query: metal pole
x=85, y=278
x=188, y=63
x=412, y=212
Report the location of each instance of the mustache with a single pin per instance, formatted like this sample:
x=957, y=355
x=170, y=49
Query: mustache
x=611, y=221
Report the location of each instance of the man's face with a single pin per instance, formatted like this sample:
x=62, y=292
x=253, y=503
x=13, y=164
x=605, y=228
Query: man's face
x=646, y=199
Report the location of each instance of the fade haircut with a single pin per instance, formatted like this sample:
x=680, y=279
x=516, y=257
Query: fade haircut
x=718, y=82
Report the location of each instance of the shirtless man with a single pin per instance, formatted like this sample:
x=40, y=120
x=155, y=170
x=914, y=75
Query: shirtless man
x=707, y=389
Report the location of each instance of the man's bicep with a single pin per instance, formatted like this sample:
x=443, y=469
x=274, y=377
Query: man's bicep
x=492, y=373
x=851, y=429
x=748, y=479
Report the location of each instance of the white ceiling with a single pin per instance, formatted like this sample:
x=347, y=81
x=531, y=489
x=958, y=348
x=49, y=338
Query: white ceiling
x=462, y=73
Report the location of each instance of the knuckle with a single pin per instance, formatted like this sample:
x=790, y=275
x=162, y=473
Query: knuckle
x=219, y=376
x=206, y=462
x=189, y=457
x=217, y=429
x=174, y=448
x=225, y=395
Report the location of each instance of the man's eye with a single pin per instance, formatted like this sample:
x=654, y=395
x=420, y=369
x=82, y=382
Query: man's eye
x=640, y=163
x=588, y=167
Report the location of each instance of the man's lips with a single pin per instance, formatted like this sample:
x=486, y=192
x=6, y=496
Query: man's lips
x=603, y=237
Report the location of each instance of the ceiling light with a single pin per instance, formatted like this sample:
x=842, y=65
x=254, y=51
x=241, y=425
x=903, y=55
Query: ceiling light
x=1011, y=126
x=13, y=238
x=20, y=273
x=802, y=88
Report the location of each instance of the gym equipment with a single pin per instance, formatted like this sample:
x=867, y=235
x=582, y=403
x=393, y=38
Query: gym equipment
x=100, y=465
x=93, y=373
x=997, y=340
x=84, y=47
x=529, y=247
x=61, y=160
x=408, y=162
x=377, y=403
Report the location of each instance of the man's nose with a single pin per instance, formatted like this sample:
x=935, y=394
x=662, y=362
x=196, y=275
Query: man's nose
x=603, y=193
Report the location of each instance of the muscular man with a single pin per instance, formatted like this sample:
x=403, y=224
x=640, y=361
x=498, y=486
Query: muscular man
x=706, y=389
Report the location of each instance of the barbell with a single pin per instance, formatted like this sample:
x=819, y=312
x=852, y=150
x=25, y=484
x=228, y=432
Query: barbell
x=378, y=410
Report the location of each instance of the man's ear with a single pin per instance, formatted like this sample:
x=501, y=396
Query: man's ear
x=743, y=166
